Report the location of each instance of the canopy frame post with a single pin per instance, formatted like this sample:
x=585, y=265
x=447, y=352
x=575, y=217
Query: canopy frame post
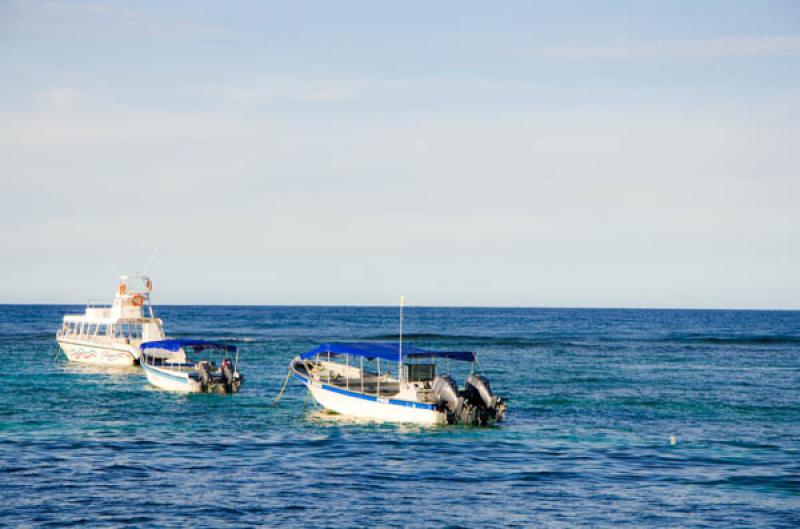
x=400, y=352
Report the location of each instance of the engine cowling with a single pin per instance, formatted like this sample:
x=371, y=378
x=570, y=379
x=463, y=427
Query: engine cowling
x=479, y=392
x=227, y=375
x=204, y=370
x=446, y=391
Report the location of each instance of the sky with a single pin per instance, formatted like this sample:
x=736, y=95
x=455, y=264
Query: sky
x=546, y=154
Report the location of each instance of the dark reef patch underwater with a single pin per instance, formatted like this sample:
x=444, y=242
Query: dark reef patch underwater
x=595, y=396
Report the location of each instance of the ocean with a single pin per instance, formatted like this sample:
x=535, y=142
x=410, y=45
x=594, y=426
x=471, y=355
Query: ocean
x=595, y=397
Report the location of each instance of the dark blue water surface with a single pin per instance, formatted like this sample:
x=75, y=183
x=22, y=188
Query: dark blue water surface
x=594, y=397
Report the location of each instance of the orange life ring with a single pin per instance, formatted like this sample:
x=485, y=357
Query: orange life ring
x=137, y=300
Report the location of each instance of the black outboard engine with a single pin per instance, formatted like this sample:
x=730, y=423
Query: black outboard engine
x=204, y=370
x=228, y=379
x=478, y=393
x=446, y=392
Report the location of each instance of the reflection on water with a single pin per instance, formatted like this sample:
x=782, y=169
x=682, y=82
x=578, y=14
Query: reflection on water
x=323, y=417
x=90, y=369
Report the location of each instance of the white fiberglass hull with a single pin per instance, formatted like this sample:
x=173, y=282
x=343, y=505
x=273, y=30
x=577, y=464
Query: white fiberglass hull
x=99, y=354
x=371, y=407
x=170, y=380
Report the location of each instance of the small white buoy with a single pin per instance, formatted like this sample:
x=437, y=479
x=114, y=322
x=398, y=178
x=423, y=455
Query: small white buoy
x=673, y=440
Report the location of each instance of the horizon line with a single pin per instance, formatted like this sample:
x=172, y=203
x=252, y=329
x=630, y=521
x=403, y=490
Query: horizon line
x=510, y=307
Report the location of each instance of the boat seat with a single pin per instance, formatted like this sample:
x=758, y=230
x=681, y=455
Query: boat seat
x=370, y=386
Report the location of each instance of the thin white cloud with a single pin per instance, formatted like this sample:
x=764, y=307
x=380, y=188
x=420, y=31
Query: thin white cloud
x=100, y=16
x=337, y=90
x=698, y=49
x=282, y=90
x=61, y=97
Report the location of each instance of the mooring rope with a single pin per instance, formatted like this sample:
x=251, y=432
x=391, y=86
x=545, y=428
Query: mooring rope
x=305, y=400
x=285, y=383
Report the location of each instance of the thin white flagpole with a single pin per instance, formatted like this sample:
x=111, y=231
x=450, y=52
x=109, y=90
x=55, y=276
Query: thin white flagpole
x=400, y=359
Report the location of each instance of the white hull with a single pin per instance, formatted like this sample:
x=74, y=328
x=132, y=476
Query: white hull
x=170, y=380
x=370, y=407
x=99, y=354
x=109, y=335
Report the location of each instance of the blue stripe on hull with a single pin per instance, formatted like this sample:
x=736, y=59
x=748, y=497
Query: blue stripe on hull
x=412, y=404
x=372, y=398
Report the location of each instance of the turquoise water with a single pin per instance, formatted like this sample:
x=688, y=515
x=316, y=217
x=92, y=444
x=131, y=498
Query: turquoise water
x=594, y=397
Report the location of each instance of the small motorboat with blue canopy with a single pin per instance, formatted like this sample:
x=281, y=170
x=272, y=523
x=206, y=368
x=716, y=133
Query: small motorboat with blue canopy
x=398, y=383
x=177, y=365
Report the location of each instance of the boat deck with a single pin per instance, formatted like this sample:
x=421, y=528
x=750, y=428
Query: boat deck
x=183, y=368
x=369, y=385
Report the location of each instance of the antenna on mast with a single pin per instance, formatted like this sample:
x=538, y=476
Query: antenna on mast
x=150, y=261
x=400, y=355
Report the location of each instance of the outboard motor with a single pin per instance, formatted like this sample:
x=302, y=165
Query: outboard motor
x=478, y=393
x=204, y=370
x=227, y=375
x=446, y=392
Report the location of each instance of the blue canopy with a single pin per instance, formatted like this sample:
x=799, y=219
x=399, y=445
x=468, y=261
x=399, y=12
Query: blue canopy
x=386, y=351
x=197, y=345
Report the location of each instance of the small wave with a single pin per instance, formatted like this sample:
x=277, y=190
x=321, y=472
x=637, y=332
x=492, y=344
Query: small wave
x=739, y=340
x=236, y=339
x=215, y=337
x=509, y=341
x=29, y=336
x=776, y=482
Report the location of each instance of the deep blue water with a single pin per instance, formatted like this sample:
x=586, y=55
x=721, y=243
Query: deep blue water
x=594, y=397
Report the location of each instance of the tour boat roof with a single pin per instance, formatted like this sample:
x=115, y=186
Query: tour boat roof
x=386, y=351
x=106, y=319
x=176, y=345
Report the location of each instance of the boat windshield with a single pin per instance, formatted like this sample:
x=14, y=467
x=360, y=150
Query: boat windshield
x=128, y=329
x=209, y=352
x=138, y=284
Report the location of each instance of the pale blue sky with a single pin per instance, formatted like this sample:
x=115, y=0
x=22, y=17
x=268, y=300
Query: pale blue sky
x=517, y=153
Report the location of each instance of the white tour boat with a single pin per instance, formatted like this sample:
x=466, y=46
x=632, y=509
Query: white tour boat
x=415, y=393
x=111, y=334
x=170, y=364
